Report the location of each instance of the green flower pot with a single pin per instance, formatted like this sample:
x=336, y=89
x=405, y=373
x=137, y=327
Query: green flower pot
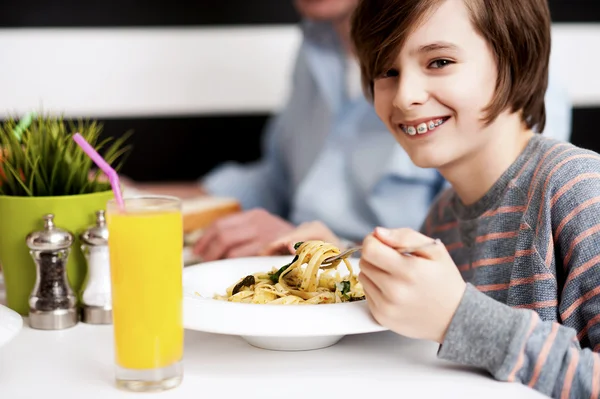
x=19, y=216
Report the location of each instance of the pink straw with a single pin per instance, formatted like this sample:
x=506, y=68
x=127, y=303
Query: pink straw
x=113, y=177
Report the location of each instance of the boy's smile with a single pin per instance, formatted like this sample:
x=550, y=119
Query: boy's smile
x=423, y=126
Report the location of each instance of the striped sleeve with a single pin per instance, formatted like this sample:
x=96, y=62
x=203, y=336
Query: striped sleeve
x=515, y=345
x=574, y=249
x=560, y=360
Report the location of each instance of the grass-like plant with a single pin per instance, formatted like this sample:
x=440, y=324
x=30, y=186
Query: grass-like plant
x=38, y=156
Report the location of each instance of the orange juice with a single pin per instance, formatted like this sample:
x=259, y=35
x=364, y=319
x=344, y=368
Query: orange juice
x=146, y=247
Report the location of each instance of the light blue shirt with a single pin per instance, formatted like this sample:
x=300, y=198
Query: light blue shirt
x=328, y=157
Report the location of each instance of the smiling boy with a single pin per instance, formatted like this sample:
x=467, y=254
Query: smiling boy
x=515, y=289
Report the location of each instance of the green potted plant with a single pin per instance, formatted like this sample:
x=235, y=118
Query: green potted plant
x=42, y=170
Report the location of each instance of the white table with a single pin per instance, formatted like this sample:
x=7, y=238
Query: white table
x=78, y=363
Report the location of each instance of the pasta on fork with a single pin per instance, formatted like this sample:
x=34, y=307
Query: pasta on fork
x=299, y=282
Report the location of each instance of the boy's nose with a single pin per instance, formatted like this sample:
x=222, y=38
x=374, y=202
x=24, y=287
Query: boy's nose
x=411, y=92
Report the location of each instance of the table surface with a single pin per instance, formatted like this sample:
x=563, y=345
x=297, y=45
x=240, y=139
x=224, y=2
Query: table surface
x=78, y=363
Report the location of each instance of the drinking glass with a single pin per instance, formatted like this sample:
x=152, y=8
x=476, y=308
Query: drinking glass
x=145, y=241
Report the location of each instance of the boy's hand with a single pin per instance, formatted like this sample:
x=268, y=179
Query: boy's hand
x=284, y=244
x=415, y=296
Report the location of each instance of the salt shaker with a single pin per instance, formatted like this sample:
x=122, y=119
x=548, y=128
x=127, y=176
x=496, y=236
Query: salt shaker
x=97, y=301
x=52, y=304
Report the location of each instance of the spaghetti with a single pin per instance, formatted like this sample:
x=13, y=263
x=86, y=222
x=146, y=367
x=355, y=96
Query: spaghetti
x=300, y=282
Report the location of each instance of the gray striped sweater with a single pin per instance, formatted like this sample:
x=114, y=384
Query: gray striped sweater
x=532, y=243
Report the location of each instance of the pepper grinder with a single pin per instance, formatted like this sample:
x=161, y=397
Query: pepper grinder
x=97, y=301
x=52, y=304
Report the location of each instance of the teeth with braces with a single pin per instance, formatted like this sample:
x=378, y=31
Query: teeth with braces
x=422, y=128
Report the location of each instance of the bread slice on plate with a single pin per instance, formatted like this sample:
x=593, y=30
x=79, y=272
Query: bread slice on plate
x=199, y=213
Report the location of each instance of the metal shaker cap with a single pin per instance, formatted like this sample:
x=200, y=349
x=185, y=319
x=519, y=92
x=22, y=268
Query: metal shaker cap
x=96, y=235
x=51, y=238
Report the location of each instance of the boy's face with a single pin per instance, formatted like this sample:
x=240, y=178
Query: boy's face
x=325, y=10
x=442, y=79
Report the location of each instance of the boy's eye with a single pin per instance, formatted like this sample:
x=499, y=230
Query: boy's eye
x=438, y=64
x=390, y=73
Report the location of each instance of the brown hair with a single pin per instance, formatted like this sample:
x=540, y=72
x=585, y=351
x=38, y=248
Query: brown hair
x=518, y=32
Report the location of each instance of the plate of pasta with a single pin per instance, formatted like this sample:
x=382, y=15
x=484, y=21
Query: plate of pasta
x=293, y=302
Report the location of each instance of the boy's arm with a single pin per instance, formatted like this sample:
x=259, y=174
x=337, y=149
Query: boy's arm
x=515, y=345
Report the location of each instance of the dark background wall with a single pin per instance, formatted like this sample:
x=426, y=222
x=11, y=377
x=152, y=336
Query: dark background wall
x=73, y=13
x=173, y=146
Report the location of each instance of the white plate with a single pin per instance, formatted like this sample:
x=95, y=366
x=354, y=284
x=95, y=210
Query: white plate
x=276, y=327
x=10, y=324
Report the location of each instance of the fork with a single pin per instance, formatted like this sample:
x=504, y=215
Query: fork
x=327, y=262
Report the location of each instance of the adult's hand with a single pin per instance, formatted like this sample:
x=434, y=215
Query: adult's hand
x=242, y=234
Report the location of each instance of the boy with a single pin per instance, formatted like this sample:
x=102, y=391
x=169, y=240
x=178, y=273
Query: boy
x=327, y=155
x=516, y=288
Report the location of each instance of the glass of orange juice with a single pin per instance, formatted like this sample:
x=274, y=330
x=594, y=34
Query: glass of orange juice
x=145, y=241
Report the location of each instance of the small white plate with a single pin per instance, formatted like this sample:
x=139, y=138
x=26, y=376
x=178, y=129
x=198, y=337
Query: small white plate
x=276, y=327
x=10, y=324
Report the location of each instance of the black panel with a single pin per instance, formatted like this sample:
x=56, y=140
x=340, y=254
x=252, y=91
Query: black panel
x=575, y=10
x=126, y=13
x=185, y=148
x=129, y=13
x=585, y=128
